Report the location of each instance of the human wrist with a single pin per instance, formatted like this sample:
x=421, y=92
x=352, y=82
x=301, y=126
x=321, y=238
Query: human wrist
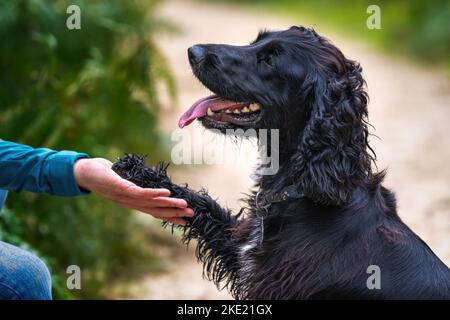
x=80, y=171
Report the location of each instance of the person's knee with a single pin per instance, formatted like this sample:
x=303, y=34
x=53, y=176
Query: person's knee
x=23, y=275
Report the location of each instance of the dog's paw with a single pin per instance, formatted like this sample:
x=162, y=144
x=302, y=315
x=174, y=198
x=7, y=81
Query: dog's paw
x=133, y=168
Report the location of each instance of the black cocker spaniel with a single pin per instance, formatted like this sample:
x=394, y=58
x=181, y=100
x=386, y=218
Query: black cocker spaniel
x=318, y=227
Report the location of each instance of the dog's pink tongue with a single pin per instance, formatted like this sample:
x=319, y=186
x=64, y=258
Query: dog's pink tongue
x=200, y=108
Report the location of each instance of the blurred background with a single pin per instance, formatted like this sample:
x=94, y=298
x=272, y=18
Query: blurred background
x=120, y=83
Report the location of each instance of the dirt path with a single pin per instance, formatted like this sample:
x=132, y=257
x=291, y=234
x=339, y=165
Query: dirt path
x=410, y=109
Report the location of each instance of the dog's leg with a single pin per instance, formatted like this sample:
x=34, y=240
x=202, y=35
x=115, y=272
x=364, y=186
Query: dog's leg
x=212, y=225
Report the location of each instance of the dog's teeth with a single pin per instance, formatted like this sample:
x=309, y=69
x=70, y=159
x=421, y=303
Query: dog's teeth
x=245, y=109
x=236, y=111
x=254, y=107
x=209, y=112
x=227, y=111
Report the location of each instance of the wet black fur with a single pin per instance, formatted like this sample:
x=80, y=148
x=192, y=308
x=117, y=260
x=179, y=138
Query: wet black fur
x=319, y=246
x=210, y=221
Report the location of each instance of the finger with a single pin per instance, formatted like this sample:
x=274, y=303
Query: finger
x=119, y=185
x=137, y=192
x=176, y=220
x=167, y=202
x=166, y=213
x=124, y=189
x=157, y=192
x=160, y=213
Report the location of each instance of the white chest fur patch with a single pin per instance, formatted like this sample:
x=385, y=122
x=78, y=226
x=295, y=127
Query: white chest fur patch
x=245, y=252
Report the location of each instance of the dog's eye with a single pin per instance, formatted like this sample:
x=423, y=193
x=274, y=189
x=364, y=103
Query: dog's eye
x=267, y=59
x=268, y=55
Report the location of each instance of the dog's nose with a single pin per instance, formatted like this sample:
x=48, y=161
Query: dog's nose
x=196, y=54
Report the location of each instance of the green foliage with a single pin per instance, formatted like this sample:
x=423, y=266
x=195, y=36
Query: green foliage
x=91, y=90
x=420, y=28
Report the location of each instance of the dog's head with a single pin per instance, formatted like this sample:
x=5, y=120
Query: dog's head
x=298, y=82
x=250, y=83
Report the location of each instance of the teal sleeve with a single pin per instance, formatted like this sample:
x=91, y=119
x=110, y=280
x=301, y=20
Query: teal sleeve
x=38, y=170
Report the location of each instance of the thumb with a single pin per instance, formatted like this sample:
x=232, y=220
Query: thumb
x=130, y=189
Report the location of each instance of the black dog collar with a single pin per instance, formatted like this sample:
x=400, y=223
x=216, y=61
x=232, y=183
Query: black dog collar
x=263, y=200
x=286, y=194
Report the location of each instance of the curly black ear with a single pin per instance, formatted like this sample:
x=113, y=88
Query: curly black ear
x=332, y=158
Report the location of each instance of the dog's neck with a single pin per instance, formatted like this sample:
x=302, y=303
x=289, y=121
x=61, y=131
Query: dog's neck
x=288, y=173
x=275, y=181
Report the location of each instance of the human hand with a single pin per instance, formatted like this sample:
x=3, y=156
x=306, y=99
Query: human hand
x=97, y=176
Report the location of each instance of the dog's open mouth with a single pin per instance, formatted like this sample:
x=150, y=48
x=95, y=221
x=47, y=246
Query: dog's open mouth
x=222, y=111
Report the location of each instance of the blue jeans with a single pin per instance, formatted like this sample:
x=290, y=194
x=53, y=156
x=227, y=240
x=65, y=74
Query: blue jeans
x=23, y=276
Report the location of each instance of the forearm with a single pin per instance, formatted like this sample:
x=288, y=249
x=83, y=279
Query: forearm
x=38, y=170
